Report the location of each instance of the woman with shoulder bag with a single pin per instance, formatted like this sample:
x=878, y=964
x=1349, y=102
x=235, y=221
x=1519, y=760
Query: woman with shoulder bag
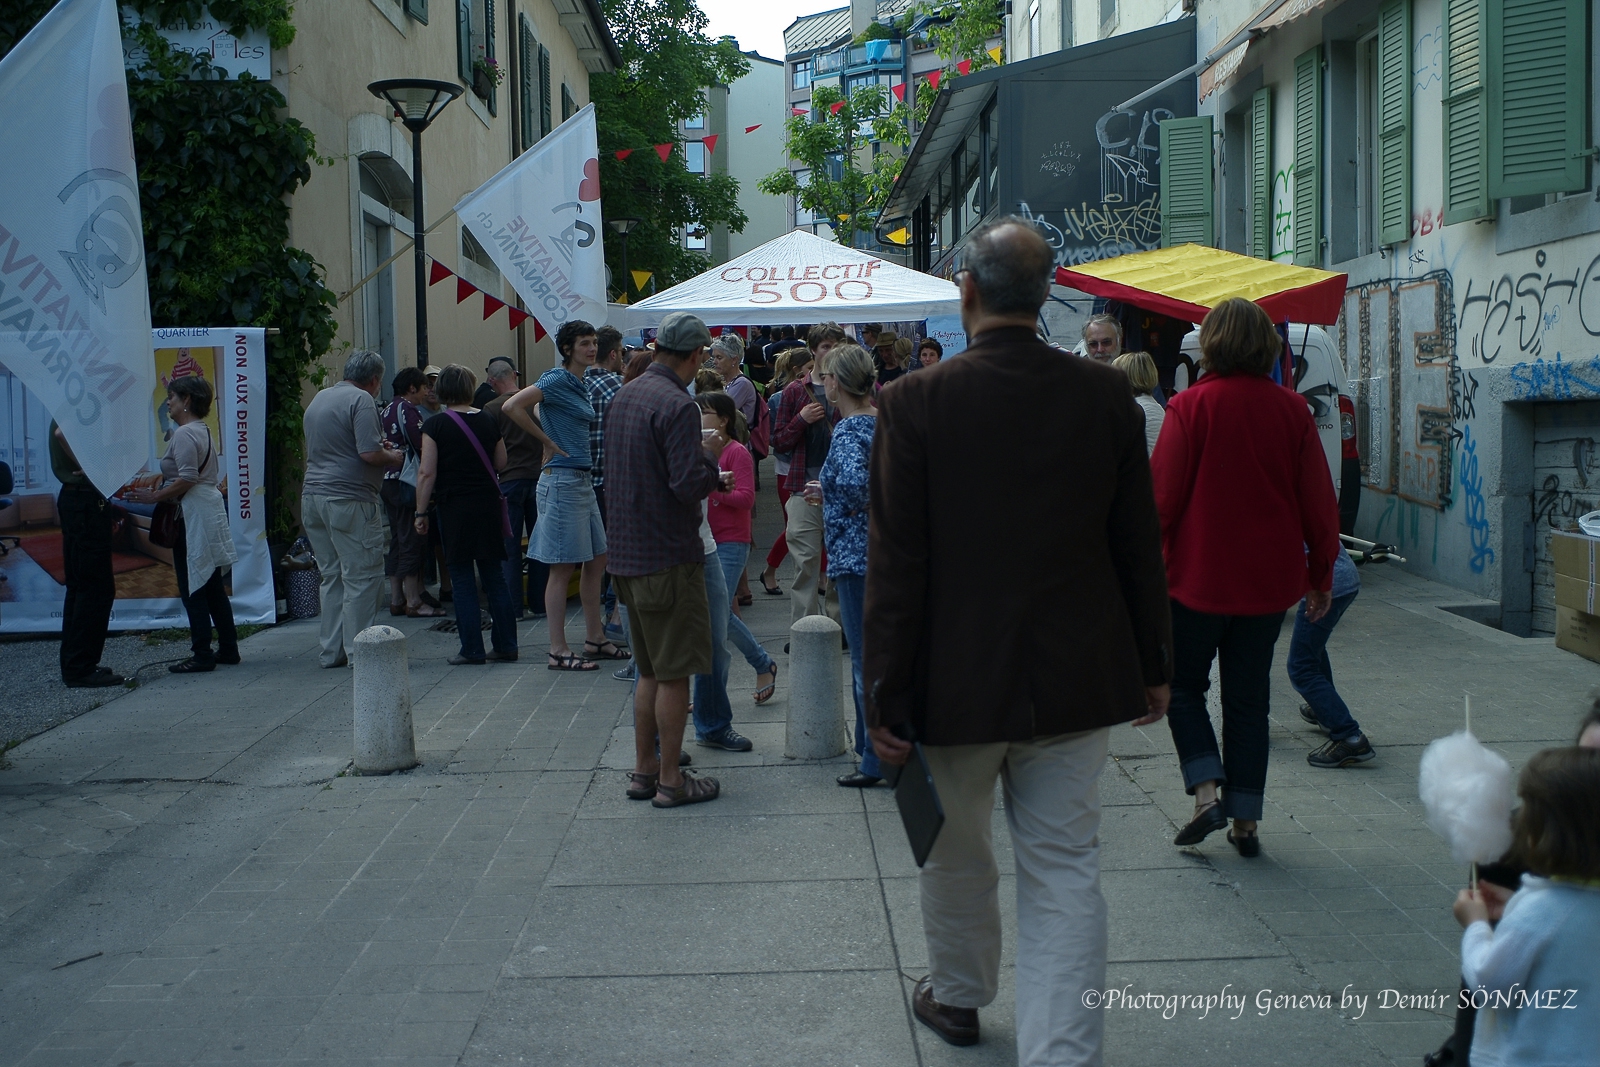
x=202, y=545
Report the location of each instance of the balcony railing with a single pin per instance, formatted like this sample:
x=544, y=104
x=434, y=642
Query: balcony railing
x=871, y=54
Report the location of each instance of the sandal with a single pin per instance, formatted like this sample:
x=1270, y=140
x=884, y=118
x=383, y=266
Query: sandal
x=747, y=600
x=600, y=652
x=643, y=786
x=397, y=609
x=764, y=694
x=570, y=662
x=692, y=791
x=424, y=611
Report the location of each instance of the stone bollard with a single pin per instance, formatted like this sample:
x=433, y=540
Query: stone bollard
x=815, y=728
x=384, y=739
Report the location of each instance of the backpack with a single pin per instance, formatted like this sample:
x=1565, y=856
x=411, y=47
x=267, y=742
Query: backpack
x=761, y=431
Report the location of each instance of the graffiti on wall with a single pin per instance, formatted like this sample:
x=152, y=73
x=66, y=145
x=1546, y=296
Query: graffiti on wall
x=1283, y=213
x=1510, y=316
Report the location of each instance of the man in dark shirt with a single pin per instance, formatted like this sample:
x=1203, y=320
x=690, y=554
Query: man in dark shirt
x=519, y=484
x=402, y=430
x=659, y=470
x=495, y=377
x=783, y=344
x=86, y=558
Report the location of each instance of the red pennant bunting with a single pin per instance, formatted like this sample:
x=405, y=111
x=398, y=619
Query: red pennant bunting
x=933, y=79
x=799, y=111
x=664, y=150
x=833, y=108
x=517, y=317
x=624, y=153
x=900, y=91
x=965, y=66
x=711, y=142
x=491, y=304
x=752, y=129
x=539, y=332
x=438, y=272
x=464, y=289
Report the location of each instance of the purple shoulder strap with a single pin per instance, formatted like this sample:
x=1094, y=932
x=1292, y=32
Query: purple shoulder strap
x=477, y=445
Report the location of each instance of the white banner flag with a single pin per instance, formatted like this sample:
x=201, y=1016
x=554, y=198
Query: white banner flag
x=539, y=219
x=74, y=305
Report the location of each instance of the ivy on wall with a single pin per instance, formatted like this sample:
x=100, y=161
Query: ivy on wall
x=217, y=162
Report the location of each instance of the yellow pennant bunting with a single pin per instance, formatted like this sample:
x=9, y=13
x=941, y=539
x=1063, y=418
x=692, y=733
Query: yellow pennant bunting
x=994, y=53
x=641, y=278
x=900, y=236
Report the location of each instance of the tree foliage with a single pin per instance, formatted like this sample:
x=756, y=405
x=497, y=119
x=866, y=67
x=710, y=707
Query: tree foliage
x=217, y=162
x=667, y=63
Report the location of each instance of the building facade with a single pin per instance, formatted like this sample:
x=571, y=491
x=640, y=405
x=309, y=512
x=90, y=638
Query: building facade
x=358, y=211
x=1440, y=152
x=1038, y=27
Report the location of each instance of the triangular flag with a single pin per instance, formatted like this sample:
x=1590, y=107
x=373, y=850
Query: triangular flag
x=752, y=129
x=933, y=79
x=994, y=53
x=438, y=272
x=664, y=150
x=833, y=108
x=641, y=278
x=491, y=304
x=517, y=317
x=900, y=91
x=622, y=298
x=464, y=289
x=965, y=66
x=539, y=332
x=900, y=236
x=624, y=153
x=799, y=111
x=710, y=142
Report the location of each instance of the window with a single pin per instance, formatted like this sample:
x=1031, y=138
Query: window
x=474, y=45
x=1033, y=28
x=694, y=237
x=418, y=10
x=801, y=76
x=476, y=253
x=695, y=122
x=569, y=104
x=1068, y=38
x=802, y=214
x=1108, y=14
x=1186, y=182
x=1367, y=145
x=694, y=154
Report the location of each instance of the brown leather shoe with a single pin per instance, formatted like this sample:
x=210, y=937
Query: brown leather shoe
x=959, y=1026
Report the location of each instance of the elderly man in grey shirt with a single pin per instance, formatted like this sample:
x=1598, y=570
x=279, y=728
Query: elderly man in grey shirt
x=346, y=456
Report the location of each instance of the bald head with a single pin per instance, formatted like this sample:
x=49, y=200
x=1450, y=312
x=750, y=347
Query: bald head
x=1011, y=267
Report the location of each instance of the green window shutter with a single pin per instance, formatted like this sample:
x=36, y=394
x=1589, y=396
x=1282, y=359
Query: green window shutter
x=1466, y=186
x=526, y=58
x=1308, y=158
x=464, y=40
x=418, y=9
x=544, y=91
x=1261, y=174
x=1394, y=122
x=1538, y=85
x=488, y=52
x=1186, y=195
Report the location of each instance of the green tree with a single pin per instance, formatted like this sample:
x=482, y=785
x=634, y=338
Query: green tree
x=217, y=162
x=667, y=63
x=846, y=186
x=959, y=30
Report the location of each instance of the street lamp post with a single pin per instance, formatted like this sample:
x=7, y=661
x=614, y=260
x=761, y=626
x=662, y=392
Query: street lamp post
x=417, y=102
x=624, y=225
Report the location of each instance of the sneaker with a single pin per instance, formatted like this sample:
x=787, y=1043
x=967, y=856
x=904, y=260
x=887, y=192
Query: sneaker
x=1311, y=718
x=1342, y=753
x=626, y=674
x=99, y=678
x=729, y=740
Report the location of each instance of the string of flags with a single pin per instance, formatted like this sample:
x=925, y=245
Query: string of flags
x=665, y=149
x=438, y=272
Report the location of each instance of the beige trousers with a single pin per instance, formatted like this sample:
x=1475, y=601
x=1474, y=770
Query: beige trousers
x=1052, y=802
x=804, y=532
x=347, y=537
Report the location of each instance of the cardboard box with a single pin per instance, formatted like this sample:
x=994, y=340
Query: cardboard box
x=1578, y=632
x=1577, y=594
x=1575, y=555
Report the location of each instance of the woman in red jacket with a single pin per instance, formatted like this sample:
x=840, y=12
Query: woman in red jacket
x=1249, y=525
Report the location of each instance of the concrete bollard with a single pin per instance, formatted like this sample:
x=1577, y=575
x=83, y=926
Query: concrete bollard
x=815, y=729
x=384, y=739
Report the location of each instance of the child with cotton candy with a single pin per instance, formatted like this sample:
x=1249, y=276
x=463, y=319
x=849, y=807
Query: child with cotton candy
x=1534, y=975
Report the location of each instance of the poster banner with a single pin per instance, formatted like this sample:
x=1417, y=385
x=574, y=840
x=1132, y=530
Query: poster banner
x=33, y=565
x=539, y=220
x=948, y=331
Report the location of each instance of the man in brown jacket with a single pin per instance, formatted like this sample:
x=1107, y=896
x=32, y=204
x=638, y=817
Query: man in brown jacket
x=1016, y=609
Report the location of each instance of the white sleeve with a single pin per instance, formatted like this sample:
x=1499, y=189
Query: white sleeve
x=1501, y=958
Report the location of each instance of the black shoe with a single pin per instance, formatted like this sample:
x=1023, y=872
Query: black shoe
x=1342, y=753
x=1249, y=845
x=193, y=665
x=786, y=648
x=1311, y=717
x=458, y=660
x=1205, y=823
x=729, y=740
x=99, y=678
x=857, y=780
x=230, y=659
x=959, y=1026
x=684, y=759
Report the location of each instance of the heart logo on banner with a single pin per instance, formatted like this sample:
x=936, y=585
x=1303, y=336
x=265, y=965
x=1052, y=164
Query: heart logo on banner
x=589, y=188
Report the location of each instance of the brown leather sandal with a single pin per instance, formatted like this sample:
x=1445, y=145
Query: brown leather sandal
x=692, y=791
x=643, y=786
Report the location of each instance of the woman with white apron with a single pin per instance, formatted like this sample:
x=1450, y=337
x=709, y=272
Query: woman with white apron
x=204, y=545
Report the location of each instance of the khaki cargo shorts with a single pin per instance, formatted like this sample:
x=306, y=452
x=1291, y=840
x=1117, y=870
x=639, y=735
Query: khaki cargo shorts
x=669, y=621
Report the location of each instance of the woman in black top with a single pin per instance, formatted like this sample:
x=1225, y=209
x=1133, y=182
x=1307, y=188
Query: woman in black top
x=456, y=473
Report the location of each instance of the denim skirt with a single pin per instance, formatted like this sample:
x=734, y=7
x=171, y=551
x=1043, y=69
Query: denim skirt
x=569, y=528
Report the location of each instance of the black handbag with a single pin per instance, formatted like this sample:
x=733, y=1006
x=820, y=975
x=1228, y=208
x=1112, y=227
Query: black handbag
x=168, y=515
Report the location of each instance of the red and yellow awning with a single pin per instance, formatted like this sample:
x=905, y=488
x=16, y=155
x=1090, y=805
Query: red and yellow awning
x=1186, y=281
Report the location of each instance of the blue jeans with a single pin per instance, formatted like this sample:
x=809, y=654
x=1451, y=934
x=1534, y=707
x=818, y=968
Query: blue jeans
x=733, y=557
x=713, y=714
x=1312, y=675
x=468, y=620
x=519, y=494
x=852, y=590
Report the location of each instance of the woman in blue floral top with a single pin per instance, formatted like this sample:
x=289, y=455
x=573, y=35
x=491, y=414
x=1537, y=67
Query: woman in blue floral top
x=848, y=377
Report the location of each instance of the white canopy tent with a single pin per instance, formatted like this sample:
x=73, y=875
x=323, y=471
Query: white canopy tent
x=800, y=277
